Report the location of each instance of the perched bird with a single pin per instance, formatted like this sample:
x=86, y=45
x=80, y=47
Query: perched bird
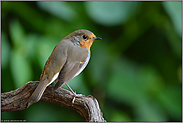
x=68, y=59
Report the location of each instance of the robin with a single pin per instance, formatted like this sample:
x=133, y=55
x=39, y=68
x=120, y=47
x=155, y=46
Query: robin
x=68, y=59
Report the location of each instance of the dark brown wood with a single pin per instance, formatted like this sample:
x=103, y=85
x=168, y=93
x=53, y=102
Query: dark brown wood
x=87, y=107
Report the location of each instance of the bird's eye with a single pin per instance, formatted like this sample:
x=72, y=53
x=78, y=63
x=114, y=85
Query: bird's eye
x=84, y=37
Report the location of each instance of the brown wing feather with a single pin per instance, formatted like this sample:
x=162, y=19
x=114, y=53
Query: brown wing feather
x=52, y=66
x=67, y=73
x=70, y=69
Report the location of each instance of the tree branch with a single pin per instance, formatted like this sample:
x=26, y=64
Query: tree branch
x=87, y=107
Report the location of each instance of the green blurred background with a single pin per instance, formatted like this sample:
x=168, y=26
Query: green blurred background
x=135, y=71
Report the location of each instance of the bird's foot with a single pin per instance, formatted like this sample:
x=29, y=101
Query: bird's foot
x=76, y=95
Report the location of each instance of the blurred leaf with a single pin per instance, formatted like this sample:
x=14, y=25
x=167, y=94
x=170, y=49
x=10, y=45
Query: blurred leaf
x=20, y=68
x=60, y=9
x=18, y=38
x=124, y=82
x=5, y=50
x=132, y=83
x=16, y=33
x=171, y=100
x=150, y=79
x=148, y=111
x=30, y=46
x=174, y=9
x=110, y=13
x=28, y=14
x=98, y=62
x=174, y=40
x=44, y=48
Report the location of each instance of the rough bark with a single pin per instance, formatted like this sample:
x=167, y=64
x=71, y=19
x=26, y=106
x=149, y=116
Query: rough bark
x=87, y=107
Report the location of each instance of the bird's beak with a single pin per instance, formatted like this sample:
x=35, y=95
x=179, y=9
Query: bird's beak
x=97, y=38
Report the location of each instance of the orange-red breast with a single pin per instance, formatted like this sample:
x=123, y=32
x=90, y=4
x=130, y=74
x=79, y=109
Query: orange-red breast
x=69, y=57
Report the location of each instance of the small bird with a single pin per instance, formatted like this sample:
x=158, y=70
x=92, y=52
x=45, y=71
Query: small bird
x=68, y=59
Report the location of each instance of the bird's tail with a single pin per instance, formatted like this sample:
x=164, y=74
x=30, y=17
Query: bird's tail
x=37, y=94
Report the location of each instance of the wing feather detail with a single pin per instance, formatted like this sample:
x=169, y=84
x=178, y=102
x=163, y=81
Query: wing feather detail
x=72, y=69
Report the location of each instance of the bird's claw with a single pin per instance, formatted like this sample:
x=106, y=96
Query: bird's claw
x=76, y=95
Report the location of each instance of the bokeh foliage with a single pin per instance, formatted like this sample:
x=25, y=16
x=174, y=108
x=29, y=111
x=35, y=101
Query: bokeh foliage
x=135, y=71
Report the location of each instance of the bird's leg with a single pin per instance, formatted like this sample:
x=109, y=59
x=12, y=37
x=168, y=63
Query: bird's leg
x=75, y=95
